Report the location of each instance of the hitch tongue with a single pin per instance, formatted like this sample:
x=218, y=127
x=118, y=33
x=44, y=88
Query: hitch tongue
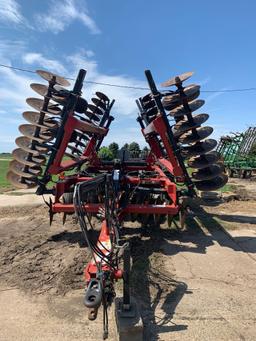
x=93, y=295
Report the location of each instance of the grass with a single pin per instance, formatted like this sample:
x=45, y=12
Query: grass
x=7, y=156
x=227, y=188
x=4, y=184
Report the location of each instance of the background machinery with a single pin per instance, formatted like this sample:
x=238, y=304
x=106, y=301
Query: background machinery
x=239, y=153
x=62, y=138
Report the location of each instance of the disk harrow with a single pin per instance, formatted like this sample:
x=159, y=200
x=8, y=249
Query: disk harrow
x=188, y=139
x=238, y=152
x=64, y=133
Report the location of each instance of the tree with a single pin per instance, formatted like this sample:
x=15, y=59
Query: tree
x=134, y=149
x=105, y=153
x=145, y=151
x=113, y=147
x=126, y=146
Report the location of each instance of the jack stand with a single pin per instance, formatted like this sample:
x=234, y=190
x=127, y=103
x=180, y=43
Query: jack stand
x=128, y=319
x=129, y=323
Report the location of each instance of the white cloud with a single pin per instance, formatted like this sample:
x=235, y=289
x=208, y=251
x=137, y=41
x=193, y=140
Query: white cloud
x=10, y=12
x=38, y=60
x=62, y=13
x=14, y=89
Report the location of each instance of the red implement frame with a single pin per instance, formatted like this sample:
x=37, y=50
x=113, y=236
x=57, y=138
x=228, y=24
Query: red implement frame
x=154, y=162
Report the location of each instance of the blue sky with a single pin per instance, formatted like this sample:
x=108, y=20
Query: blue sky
x=116, y=41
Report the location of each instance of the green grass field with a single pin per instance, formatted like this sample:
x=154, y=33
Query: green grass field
x=5, y=158
x=4, y=184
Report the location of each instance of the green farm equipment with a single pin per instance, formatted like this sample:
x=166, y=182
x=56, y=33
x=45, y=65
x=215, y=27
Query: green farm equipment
x=239, y=153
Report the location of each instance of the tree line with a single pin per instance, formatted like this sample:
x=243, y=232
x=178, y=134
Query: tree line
x=114, y=152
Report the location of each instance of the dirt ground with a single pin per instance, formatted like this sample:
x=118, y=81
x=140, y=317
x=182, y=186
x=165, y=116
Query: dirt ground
x=198, y=284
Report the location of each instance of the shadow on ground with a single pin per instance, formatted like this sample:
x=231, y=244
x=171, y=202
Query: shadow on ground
x=152, y=285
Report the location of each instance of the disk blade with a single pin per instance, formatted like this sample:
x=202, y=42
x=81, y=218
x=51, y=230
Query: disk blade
x=184, y=125
x=152, y=112
x=18, y=168
x=29, y=130
x=99, y=103
x=40, y=89
x=49, y=76
x=22, y=156
x=213, y=184
x=177, y=79
x=102, y=96
x=34, y=118
x=149, y=105
x=181, y=111
x=19, y=182
x=204, y=160
x=196, y=135
x=199, y=148
x=38, y=103
x=26, y=144
x=208, y=172
x=81, y=105
x=174, y=100
x=146, y=98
